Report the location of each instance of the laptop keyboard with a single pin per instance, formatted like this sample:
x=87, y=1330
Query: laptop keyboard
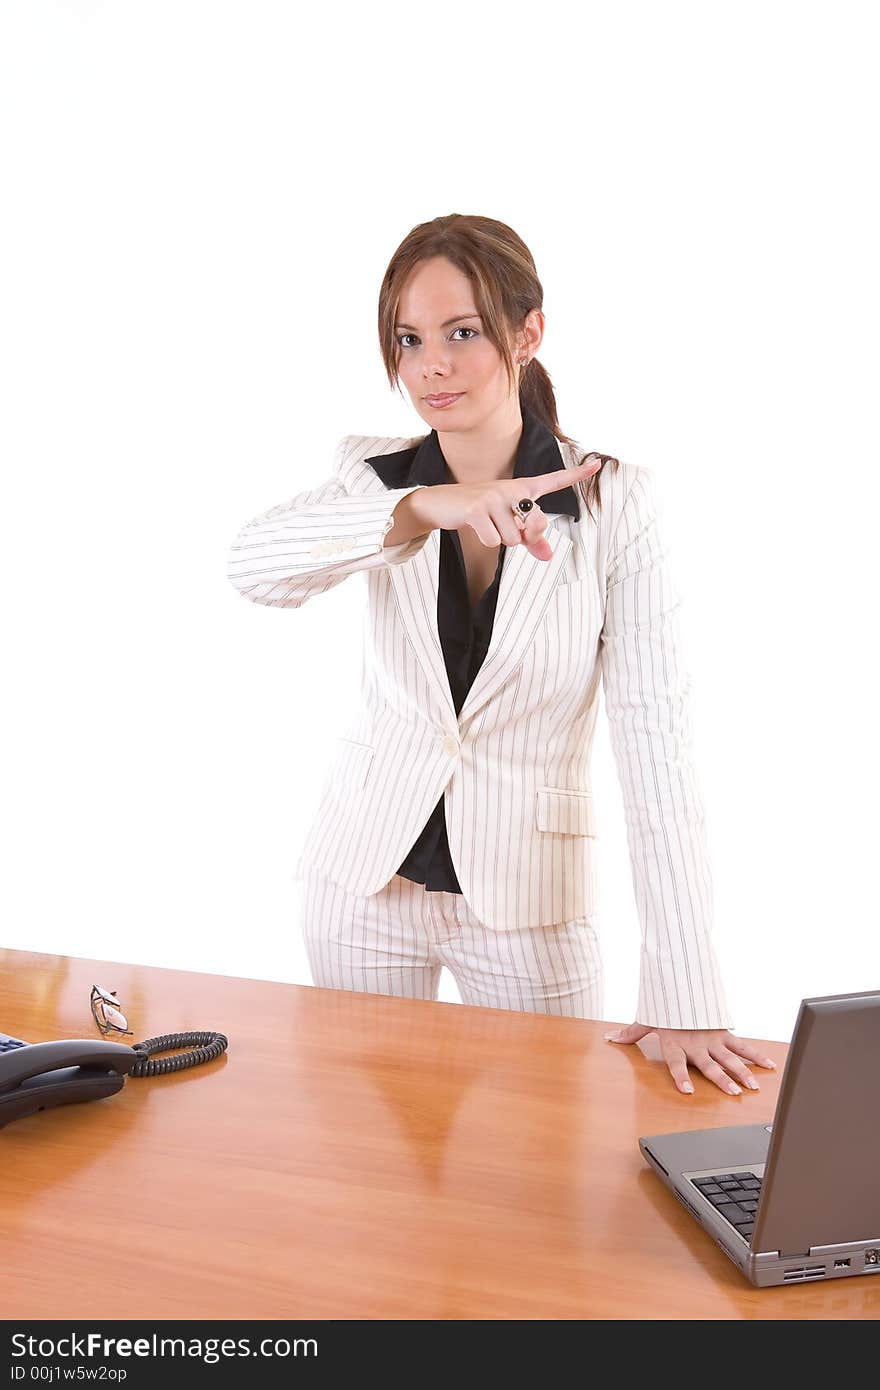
x=735, y=1196
x=7, y=1044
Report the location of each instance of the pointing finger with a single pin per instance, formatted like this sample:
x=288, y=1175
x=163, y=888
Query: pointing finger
x=564, y=477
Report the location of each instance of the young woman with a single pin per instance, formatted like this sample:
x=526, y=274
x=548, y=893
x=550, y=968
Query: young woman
x=457, y=826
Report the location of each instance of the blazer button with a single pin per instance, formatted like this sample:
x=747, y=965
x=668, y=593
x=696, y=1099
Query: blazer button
x=450, y=745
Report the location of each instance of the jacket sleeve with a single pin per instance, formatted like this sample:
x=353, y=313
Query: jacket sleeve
x=647, y=692
x=309, y=544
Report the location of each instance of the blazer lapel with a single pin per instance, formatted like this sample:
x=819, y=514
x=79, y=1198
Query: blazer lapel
x=416, y=586
x=525, y=590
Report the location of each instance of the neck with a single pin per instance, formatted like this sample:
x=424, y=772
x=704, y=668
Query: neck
x=488, y=451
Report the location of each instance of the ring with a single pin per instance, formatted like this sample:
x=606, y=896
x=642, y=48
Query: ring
x=522, y=508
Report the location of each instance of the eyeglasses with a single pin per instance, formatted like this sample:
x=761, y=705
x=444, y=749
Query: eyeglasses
x=106, y=1011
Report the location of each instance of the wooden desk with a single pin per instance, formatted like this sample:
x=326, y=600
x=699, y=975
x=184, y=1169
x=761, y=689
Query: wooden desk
x=356, y=1156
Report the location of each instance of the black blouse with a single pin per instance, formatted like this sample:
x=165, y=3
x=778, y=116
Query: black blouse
x=465, y=632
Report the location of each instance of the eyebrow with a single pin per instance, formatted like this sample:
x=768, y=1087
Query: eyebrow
x=447, y=324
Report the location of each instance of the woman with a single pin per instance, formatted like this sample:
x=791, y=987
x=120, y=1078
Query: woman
x=456, y=826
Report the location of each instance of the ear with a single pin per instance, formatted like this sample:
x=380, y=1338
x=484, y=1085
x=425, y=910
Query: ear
x=533, y=331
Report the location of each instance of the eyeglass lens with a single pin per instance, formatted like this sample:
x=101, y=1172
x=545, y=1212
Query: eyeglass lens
x=104, y=1004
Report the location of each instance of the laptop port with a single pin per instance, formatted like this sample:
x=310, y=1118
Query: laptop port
x=841, y=1264
x=872, y=1257
x=803, y=1272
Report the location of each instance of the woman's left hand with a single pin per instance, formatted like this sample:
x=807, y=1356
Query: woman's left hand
x=716, y=1052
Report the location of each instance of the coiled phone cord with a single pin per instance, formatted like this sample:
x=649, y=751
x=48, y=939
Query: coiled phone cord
x=205, y=1047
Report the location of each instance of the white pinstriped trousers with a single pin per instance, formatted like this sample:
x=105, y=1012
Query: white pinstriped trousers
x=397, y=941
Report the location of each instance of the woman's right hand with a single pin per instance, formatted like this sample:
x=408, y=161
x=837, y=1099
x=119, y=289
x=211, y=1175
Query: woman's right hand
x=488, y=507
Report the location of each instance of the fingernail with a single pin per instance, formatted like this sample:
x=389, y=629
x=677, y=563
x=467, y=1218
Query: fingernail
x=768, y=1062
x=752, y=1083
x=734, y=1090
x=687, y=1086
x=612, y=1037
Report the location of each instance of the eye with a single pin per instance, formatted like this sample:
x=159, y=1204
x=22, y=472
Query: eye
x=401, y=336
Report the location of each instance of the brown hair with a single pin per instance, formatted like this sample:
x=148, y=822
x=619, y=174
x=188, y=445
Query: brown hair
x=506, y=288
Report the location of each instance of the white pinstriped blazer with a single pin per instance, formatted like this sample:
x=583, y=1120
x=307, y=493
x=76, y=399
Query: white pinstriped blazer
x=514, y=766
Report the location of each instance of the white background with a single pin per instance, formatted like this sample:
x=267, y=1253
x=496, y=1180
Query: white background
x=200, y=201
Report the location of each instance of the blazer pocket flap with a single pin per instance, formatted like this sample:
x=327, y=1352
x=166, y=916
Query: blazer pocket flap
x=565, y=812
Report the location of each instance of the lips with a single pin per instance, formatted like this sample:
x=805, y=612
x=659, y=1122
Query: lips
x=444, y=398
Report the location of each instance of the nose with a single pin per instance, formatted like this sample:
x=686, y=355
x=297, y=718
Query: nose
x=435, y=362
x=435, y=375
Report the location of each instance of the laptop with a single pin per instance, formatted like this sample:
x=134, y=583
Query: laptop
x=796, y=1198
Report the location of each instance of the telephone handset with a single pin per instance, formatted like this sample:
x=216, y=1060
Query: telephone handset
x=36, y=1076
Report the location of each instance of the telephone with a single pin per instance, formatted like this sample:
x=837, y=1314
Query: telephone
x=37, y=1076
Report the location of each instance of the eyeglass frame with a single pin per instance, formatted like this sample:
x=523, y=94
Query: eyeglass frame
x=99, y=995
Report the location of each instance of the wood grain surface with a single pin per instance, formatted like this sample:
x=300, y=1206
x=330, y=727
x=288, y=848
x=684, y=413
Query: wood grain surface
x=355, y=1156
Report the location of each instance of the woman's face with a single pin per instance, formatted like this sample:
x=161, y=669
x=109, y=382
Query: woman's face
x=443, y=350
